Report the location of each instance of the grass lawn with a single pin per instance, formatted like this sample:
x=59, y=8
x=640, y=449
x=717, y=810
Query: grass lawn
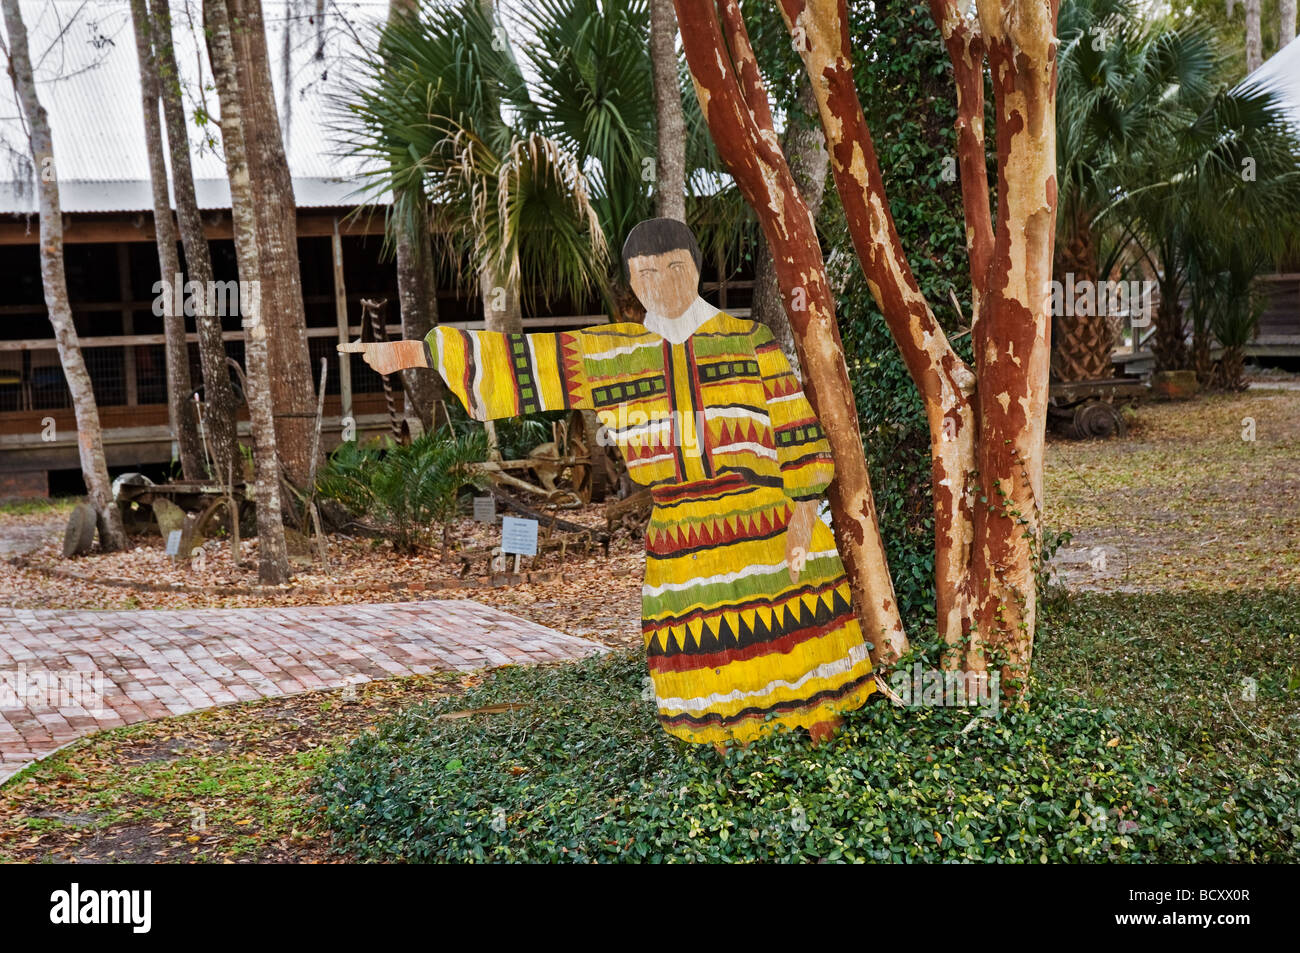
x=1166, y=702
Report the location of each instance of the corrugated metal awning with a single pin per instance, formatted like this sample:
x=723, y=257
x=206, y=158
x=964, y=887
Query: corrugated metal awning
x=88, y=81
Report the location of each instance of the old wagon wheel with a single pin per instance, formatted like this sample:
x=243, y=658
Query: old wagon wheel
x=207, y=519
x=590, y=479
x=1098, y=419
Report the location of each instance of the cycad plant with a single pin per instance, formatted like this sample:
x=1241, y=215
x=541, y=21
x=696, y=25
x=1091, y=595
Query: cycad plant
x=406, y=491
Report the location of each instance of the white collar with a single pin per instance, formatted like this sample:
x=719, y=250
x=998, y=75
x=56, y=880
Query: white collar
x=677, y=330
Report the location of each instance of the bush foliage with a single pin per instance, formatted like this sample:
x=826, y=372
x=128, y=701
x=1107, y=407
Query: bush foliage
x=572, y=766
x=405, y=491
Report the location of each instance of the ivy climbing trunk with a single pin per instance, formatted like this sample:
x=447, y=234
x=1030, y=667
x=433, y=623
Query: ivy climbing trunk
x=946, y=384
x=90, y=437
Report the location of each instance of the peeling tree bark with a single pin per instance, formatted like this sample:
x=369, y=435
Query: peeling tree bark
x=986, y=423
x=90, y=438
x=805, y=153
x=1012, y=339
x=944, y=381
x=734, y=103
x=220, y=406
x=273, y=557
x=184, y=420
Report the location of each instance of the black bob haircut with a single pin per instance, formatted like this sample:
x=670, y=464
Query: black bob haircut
x=655, y=236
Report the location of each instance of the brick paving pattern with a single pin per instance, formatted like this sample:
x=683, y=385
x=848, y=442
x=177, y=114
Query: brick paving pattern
x=153, y=663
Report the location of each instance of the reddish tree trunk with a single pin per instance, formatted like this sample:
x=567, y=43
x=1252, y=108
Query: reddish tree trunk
x=734, y=103
x=1012, y=339
x=986, y=423
x=942, y=378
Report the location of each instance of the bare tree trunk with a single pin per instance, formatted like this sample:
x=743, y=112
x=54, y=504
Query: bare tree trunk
x=220, y=409
x=90, y=438
x=805, y=152
x=417, y=296
x=273, y=562
x=670, y=124
x=500, y=296
x=1254, y=45
x=1286, y=22
x=417, y=288
x=734, y=102
x=180, y=407
x=1169, y=343
x=293, y=396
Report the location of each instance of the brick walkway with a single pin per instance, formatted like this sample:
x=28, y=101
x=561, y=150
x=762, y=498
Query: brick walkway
x=117, y=668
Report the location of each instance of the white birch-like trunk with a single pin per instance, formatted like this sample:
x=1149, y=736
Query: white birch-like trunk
x=90, y=438
x=273, y=561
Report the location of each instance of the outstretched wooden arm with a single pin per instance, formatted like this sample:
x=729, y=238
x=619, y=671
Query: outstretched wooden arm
x=389, y=357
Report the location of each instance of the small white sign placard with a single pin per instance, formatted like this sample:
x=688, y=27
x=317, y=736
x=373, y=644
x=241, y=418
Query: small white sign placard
x=485, y=509
x=518, y=536
x=173, y=542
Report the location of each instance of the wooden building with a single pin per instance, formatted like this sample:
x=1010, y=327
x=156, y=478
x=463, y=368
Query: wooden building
x=91, y=91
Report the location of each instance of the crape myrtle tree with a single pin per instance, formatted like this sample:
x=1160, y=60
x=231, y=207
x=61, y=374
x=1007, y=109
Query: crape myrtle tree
x=987, y=417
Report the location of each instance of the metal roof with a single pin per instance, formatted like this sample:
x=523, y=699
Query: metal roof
x=1281, y=74
x=88, y=81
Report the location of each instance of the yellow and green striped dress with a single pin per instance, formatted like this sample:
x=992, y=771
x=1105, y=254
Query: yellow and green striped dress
x=720, y=431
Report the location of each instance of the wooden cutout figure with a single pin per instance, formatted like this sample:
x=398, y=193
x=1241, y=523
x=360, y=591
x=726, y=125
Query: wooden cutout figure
x=746, y=612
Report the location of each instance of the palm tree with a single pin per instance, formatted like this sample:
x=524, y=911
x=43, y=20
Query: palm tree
x=1124, y=82
x=1216, y=213
x=444, y=116
x=1159, y=166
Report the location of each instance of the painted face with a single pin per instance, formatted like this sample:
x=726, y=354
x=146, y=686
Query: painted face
x=666, y=284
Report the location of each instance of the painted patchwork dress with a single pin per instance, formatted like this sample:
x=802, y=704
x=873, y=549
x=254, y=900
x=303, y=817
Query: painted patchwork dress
x=720, y=431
